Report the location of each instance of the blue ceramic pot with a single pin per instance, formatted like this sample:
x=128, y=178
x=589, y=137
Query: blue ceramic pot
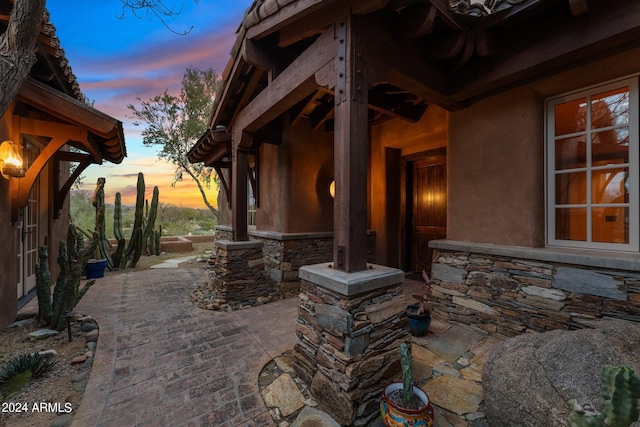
x=95, y=268
x=418, y=323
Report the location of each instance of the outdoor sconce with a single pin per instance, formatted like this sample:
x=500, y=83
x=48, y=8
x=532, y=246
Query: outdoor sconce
x=332, y=189
x=11, y=159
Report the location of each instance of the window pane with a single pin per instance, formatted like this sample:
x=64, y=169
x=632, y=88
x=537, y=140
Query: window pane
x=571, y=153
x=610, y=147
x=610, y=186
x=610, y=225
x=610, y=108
x=571, y=188
x=571, y=224
x=571, y=117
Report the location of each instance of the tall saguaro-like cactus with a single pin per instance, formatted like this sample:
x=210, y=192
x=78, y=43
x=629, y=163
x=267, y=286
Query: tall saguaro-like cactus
x=98, y=203
x=119, y=260
x=142, y=226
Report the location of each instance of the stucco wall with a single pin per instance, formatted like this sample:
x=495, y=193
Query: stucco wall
x=496, y=157
x=496, y=171
x=294, y=182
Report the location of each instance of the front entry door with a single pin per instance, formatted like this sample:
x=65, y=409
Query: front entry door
x=429, y=207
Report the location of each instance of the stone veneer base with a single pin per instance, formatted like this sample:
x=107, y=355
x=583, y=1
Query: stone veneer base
x=238, y=273
x=512, y=290
x=349, y=330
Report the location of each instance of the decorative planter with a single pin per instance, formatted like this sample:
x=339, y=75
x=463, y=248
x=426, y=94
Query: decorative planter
x=418, y=323
x=95, y=268
x=395, y=415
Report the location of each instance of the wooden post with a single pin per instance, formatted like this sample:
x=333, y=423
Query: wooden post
x=239, y=170
x=351, y=144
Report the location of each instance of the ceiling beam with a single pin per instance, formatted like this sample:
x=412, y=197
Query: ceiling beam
x=527, y=53
x=291, y=86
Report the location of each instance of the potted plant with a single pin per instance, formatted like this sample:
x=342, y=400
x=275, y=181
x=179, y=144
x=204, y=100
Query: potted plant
x=418, y=314
x=404, y=403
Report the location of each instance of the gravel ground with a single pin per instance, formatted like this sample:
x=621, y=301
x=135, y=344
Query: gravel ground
x=42, y=401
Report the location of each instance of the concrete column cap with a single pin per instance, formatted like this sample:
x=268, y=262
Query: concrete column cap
x=349, y=284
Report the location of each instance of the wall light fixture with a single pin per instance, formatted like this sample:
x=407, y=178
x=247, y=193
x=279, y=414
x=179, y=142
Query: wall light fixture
x=11, y=160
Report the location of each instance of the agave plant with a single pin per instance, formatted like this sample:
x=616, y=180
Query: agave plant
x=35, y=363
x=17, y=372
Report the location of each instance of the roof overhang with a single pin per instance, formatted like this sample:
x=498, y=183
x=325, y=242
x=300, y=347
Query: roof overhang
x=105, y=134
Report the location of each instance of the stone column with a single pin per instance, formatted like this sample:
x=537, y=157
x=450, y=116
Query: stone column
x=350, y=327
x=239, y=277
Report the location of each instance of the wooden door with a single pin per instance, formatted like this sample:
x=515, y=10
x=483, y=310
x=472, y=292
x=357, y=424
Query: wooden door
x=429, y=208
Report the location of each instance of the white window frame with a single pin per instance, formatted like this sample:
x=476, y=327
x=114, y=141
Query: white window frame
x=633, y=165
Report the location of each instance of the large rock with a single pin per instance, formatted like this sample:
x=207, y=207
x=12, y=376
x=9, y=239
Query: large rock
x=528, y=379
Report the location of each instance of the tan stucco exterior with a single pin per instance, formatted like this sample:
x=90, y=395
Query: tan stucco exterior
x=294, y=180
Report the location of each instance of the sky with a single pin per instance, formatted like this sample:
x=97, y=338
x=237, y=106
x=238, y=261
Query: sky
x=117, y=61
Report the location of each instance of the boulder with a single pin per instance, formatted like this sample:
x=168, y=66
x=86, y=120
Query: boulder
x=528, y=379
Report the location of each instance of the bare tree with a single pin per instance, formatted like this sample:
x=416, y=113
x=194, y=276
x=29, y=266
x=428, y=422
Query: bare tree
x=18, y=41
x=154, y=8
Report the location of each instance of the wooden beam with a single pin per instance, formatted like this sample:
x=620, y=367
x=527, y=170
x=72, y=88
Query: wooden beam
x=295, y=83
x=66, y=108
x=415, y=21
x=285, y=16
x=63, y=131
x=239, y=172
x=257, y=55
x=351, y=145
x=527, y=53
x=60, y=195
x=295, y=12
x=399, y=64
x=20, y=187
x=225, y=186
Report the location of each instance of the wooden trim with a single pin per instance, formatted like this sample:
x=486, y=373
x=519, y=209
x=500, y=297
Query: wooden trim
x=64, y=107
x=291, y=86
x=60, y=194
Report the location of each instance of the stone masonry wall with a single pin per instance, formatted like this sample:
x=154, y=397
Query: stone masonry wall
x=346, y=346
x=511, y=296
x=238, y=277
x=284, y=257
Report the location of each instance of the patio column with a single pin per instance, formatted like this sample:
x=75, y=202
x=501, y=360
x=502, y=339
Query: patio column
x=239, y=171
x=351, y=144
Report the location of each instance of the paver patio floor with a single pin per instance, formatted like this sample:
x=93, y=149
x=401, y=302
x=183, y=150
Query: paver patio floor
x=162, y=361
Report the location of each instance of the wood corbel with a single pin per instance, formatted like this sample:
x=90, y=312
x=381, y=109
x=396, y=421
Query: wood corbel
x=84, y=161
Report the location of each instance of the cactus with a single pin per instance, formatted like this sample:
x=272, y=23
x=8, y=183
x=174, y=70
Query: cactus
x=43, y=285
x=98, y=203
x=150, y=221
x=142, y=225
x=135, y=245
x=621, y=389
x=407, y=372
x=72, y=259
x=157, y=236
x=119, y=260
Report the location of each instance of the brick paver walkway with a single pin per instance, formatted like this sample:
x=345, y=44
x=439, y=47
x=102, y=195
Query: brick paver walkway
x=161, y=361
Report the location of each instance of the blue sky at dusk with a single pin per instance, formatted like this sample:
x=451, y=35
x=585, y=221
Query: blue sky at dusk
x=117, y=61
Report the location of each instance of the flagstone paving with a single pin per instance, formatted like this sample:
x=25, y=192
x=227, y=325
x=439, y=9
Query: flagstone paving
x=161, y=361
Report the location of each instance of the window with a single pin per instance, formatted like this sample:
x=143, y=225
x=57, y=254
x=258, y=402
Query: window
x=592, y=168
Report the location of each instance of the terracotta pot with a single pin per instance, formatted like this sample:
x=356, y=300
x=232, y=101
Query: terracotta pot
x=396, y=416
x=418, y=323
